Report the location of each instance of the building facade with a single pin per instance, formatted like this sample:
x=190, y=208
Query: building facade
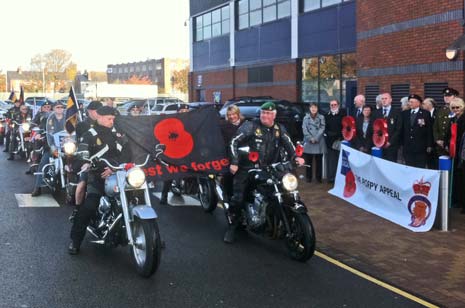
x=315, y=50
x=158, y=71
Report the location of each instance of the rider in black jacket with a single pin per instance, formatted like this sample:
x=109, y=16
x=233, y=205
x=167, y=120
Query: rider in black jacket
x=267, y=138
x=102, y=141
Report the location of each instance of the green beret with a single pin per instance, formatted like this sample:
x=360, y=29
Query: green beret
x=268, y=106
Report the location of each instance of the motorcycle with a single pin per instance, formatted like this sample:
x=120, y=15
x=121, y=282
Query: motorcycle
x=3, y=127
x=22, y=135
x=125, y=217
x=273, y=207
x=200, y=186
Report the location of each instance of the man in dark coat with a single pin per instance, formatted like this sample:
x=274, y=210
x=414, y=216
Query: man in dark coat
x=333, y=137
x=417, y=133
x=394, y=124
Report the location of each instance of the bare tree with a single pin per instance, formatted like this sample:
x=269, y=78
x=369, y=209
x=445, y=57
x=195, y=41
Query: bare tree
x=57, y=60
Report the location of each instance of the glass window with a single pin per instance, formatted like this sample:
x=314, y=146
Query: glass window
x=216, y=16
x=310, y=5
x=269, y=13
x=255, y=4
x=243, y=21
x=216, y=29
x=268, y=2
x=255, y=18
x=310, y=80
x=225, y=26
x=284, y=9
x=207, y=19
x=243, y=7
x=198, y=22
x=225, y=12
x=207, y=32
x=199, y=34
x=329, y=2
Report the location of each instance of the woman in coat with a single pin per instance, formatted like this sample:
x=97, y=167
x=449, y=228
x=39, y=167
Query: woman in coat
x=313, y=128
x=364, y=127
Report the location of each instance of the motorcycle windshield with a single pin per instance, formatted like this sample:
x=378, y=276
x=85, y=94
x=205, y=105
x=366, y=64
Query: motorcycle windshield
x=55, y=126
x=60, y=137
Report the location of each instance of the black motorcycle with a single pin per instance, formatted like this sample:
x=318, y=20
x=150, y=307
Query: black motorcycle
x=201, y=186
x=273, y=207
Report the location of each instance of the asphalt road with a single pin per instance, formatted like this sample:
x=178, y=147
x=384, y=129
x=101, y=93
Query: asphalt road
x=197, y=269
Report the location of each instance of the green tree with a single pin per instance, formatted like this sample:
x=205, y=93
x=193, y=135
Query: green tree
x=180, y=79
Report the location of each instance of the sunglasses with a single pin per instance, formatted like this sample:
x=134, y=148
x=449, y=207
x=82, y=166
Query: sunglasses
x=60, y=107
x=454, y=107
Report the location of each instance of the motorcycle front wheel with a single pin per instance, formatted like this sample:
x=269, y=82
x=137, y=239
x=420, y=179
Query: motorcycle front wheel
x=301, y=243
x=146, y=251
x=207, y=196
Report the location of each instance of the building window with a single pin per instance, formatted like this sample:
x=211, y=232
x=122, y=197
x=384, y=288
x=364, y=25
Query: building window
x=158, y=66
x=398, y=91
x=324, y=78
x=371, y=92
x=311, y=5
x=260, y=74
x=211, y=24
x=434, y=90
x=256, y=12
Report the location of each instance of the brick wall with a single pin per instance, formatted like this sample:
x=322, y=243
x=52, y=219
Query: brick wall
x=223, y=80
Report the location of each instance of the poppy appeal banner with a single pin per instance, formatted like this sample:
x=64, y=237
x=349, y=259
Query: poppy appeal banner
x=404, y=195
x=193, y=143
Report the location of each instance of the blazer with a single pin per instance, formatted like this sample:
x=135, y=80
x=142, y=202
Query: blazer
x=394, y=123
x=419, y=136
x=362, y=140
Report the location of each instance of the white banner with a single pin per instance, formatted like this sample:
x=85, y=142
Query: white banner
x=405, y=195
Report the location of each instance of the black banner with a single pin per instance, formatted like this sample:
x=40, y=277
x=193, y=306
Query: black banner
x=192, y=140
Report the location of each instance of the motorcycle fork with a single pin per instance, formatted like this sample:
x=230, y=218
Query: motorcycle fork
x=279, y=197
x=121, y=176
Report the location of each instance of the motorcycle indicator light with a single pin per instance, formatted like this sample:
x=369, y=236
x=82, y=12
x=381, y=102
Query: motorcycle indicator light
x=290, y=182
x=69, y=147
x=136, y=177
x=253, y=156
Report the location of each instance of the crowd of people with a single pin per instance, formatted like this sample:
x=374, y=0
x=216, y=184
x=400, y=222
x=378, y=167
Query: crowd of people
x=418, y=133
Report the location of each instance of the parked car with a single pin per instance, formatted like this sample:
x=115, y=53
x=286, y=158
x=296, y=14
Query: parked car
x=5, y=105
x=197, y=105
x=289, y=114
x=151, y=103
x=168, y=108
x=39, y=100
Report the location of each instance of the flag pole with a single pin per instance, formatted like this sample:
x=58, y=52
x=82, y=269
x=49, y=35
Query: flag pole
x=77, y=104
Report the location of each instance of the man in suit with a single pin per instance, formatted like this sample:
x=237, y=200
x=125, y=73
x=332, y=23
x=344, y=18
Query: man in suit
x=394, y=124
x=417, y=133
x=333, y=137
x=442, y=122
x=428, y=105
x=359, y=103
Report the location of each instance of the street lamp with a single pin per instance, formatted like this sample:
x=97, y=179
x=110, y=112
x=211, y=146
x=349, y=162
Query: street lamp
x=451, y=53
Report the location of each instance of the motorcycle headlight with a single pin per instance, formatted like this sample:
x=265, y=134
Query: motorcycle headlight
x=290, y=182
x=136, y=177
x=25, y=126
x=69, y=147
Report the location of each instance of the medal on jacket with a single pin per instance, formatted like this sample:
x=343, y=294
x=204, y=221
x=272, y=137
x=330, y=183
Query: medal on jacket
x=258, y=132
x=98, y=141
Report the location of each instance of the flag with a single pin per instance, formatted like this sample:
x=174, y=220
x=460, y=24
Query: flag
x=21, y=95
x=72, y=112
x=12, y=96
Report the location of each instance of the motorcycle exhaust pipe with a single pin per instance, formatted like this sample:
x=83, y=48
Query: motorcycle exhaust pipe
x=112, y=226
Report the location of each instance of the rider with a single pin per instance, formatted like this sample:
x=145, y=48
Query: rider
x=10, y=114
x=102, y=141
x=40, y=120
x=266, y=137
x=81, y=128
x=55, y=124
x=24, y=115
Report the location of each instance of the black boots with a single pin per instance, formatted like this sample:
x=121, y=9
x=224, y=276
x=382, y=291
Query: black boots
x=12, y=157
x=73, y=249
x=36, y=192
x=230, y=233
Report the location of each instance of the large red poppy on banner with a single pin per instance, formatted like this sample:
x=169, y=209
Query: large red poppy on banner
x=380, y=133
x=453, y=138
x=171, y=133
x=348, y=128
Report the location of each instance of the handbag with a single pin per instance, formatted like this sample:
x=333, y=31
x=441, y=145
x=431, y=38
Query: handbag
x=336, y=145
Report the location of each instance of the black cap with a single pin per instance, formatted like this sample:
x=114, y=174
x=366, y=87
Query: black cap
x=450, y=92
x=47, y=103
x=107, y=110
x=59, y=103
x=414, y=96
x=94, y=105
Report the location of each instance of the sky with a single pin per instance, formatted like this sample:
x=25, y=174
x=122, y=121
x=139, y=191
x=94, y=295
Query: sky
x=95, y=32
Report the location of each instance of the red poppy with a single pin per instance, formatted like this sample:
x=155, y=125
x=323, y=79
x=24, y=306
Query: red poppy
x=253, y=156
x=380, y=133
x=170, y=132
x=453, y=138
x=128, y=166
x=348, y=128
x=299, y=150
x=350, y=187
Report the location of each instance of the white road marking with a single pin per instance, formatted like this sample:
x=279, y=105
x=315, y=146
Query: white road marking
x=175, y=200
x=26, y=200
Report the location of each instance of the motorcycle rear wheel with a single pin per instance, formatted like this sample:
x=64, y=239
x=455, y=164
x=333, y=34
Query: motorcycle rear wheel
x=301, y=245
x=146, y=251
x=208, y=199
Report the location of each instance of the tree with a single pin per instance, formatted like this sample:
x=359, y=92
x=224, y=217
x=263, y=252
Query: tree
x=138, y=80
x=71, y=71
x=57, y=60
x=180, y=79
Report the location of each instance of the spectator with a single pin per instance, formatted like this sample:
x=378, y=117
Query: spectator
x=378, y=101
x=428, y=105
x=364, y=127
x=313, y=128
x=404, y=104
x=359, y=102
x=135, y=110
x=333, y=137
x=417, y=133
x=457, y=107
x=394, y=123
x=441, y=124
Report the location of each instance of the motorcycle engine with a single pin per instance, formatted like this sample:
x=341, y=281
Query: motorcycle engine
x=256, y=211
